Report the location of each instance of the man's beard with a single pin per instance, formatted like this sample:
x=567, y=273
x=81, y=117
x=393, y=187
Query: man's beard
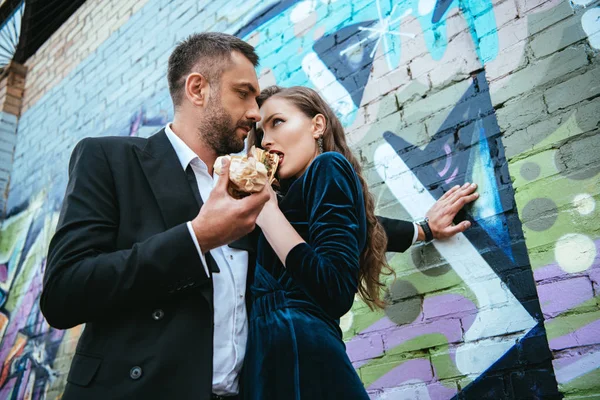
x=219, y=131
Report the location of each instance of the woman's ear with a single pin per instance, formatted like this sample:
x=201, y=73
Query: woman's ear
x=197, y=89
x=319, y=125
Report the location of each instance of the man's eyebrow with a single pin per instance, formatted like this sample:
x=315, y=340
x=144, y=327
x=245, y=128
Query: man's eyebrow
x=247, y=85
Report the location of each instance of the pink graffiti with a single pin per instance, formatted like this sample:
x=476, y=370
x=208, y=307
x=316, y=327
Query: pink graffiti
x=446, y=314
x=444, y=171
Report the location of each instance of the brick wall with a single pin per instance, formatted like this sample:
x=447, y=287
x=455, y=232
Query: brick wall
x=432, y=94
x=73, y=42
x=12, y=83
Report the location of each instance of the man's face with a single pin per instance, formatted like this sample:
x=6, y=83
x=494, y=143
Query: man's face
x=232, y=109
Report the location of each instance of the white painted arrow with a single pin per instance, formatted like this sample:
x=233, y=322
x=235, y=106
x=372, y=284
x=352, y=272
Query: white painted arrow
x=500, y=314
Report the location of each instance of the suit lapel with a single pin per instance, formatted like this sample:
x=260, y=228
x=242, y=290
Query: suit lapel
x=243, y=243
x=171, y=188
x=168, y=181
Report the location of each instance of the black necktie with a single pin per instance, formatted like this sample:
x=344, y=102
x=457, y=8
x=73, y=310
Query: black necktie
x=191, y=176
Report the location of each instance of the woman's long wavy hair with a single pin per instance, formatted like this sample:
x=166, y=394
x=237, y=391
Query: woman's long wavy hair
x=372, y=259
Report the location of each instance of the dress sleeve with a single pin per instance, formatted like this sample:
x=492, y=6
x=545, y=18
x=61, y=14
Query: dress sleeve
x=327, y=265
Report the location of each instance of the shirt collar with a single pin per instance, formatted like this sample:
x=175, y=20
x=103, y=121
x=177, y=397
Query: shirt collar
x=183, y=151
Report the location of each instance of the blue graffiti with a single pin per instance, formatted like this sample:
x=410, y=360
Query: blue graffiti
x=334, y=54
x=467, y=147
x=488, y=211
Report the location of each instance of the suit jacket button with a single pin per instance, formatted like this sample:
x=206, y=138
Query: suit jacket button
x=158, y=314
x=135, y=373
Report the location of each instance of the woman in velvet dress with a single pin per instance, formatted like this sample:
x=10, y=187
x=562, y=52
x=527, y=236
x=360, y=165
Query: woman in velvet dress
x=319, y=247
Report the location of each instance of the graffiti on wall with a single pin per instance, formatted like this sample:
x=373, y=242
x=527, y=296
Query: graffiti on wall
x=565, y=247
x=34, y=355
x=29, y=346
x=453, y=325
x=331, y=48
x=494, y=302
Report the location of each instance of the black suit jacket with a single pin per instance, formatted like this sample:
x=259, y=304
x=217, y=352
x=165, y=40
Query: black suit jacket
x=123, y=262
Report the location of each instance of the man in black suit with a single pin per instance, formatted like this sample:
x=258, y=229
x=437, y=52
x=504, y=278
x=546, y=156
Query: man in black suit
x=153, y=256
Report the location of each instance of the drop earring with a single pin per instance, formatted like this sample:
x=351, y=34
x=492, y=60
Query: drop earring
x=320, y=144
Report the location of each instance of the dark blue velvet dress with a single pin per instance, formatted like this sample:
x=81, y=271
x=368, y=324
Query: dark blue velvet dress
x=295, y=349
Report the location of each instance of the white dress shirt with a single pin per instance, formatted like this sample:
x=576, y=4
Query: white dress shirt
x=416, y=234
x=231, y=321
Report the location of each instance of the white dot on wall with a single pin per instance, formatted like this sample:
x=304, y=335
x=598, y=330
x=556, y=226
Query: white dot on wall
x=590, y=22
x=584, y=203
x=426, y=6
x=346, y=321
x=575, y=252
x=302, y=11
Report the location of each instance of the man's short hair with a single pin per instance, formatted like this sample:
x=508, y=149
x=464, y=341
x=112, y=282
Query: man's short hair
x=207, y=53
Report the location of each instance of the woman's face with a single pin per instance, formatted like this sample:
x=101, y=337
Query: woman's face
x=288, y=132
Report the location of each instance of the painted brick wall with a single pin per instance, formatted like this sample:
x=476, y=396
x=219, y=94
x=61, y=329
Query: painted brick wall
x=73, y=42
x=8, y=139
x=432, y=93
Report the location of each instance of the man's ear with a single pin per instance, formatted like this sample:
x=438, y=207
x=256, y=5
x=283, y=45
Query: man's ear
x=197, y=89
x=319, y=124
